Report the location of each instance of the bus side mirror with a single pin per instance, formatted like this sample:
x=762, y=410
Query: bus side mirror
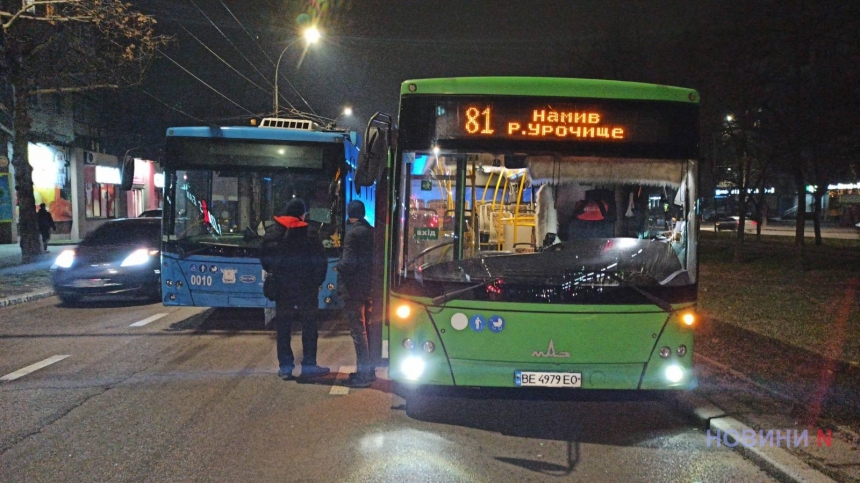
x=127, y=173
x=374, y=154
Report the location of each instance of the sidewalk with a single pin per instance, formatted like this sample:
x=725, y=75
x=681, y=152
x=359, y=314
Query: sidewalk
x=769, y=385
x=22, y=283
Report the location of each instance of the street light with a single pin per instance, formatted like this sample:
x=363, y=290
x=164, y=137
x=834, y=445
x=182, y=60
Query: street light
x=347, y=112
x=311, y=35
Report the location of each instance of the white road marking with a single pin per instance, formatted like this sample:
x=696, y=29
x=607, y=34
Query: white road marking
x=342, y=375
x=31, y=368
x=147, y=320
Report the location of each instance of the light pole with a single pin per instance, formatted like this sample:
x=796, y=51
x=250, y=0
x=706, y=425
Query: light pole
x=311, y=35
x=347, y=112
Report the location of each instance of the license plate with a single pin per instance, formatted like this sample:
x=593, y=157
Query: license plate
x=89, y=283
x=547, y=379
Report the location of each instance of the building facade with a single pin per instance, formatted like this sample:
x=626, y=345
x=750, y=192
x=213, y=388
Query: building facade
x=79, y=184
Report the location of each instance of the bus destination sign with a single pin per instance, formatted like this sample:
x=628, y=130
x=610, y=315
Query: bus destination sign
x=534, y=120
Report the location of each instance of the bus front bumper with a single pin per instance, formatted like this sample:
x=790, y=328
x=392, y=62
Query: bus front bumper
x=656, y=375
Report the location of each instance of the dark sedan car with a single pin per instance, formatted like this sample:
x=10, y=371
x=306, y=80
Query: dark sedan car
x=156, y=213
x=121, y=257
x=731, y=223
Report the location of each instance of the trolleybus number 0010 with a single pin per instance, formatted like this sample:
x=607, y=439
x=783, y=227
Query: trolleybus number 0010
x=201, y=280
x=548, y=379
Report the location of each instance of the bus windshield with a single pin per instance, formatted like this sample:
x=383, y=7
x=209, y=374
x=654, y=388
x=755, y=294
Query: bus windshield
x=561, y=228
x=228, y=211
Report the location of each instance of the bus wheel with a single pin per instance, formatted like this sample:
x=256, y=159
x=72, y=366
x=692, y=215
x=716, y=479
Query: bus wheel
x=418, y=403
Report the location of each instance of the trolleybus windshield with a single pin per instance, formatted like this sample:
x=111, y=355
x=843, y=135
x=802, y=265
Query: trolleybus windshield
x=224, y=195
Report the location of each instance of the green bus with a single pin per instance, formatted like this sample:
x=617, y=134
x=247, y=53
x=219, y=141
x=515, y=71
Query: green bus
x=540, y=232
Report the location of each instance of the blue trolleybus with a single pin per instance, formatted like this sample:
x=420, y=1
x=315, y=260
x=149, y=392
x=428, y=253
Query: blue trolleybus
x=222, y=187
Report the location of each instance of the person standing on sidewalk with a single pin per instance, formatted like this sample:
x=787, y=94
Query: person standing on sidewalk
x=297, y=262
x=355, y=267
x=46, y=224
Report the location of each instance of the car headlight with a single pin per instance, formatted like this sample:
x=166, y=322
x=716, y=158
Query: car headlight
x=66, y=258
x=137, y=257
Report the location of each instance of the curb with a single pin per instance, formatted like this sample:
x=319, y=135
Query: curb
x=775, y=461
x=19, y=299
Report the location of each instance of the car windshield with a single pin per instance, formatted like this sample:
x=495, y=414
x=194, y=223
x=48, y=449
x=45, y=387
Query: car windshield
x=125, y=232
x=554, y=222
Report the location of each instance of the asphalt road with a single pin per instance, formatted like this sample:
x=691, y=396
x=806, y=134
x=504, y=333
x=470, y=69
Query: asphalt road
x=786, y=228
x=179, y=399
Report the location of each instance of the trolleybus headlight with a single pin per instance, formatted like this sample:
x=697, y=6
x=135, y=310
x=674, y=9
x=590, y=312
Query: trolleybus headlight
x=171, y=296
x=682, y=350
x=408, y=344
x=66, y=258
x=179, y=284
x=403, y=311
x=429, y=347
x=412, y=368
x=688, y=319
x=665, y=352
x=674, y=373
x=137, y=257
x=168, y=282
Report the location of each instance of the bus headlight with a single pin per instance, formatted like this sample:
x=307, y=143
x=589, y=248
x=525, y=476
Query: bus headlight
x=674, y=373
x=665, y=352
x=689, y=319
x=429, y=347
x=408, y=344
x=403, y=311
x=412, y=368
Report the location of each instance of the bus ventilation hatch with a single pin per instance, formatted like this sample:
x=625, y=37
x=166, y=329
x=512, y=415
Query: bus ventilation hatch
x=302, y=124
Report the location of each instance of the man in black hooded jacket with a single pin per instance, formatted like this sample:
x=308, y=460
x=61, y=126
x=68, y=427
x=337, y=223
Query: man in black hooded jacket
x=355, y=268
x=298, y=263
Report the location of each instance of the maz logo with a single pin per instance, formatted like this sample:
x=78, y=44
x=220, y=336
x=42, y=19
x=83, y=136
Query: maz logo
x=550, y=352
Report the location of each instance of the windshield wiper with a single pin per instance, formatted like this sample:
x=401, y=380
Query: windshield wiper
x=442, y=299
x=666, y=306
x=184, y=254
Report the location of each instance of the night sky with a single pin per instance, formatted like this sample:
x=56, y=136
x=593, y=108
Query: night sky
x=370, y=47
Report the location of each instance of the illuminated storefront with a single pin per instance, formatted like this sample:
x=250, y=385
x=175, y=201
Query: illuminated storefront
x=81, y=190
x=147, y=188
x=51, y=183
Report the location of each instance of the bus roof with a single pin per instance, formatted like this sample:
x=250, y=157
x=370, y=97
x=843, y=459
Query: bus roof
x=548, y=87
x=262, y=133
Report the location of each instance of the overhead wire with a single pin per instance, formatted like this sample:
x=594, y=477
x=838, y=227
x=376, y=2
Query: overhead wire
x=289, y=83
x=231, y=43
x=269, y=92
x=171, y=107
x=204, y=82
x=292, y=109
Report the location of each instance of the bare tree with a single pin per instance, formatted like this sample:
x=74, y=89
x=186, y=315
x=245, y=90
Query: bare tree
x=62, y=47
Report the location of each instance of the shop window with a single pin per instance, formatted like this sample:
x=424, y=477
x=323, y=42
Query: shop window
x=101, y=192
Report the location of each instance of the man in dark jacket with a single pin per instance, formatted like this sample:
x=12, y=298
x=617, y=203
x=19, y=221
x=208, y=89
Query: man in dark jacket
x=46, y=224
x=355, y=268
x=298, y=263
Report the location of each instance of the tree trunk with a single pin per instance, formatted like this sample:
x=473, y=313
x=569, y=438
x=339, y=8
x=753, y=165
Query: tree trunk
x=816, y=217
x=743, y=202
x=800, y=220
x=28, y=229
